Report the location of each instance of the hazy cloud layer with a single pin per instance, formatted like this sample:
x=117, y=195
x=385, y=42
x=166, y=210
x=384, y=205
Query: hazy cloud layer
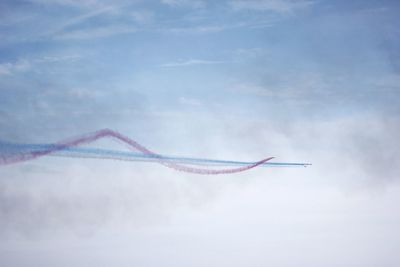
x=353, y=153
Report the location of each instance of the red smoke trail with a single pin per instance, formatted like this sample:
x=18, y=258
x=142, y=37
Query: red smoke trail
x=91, y=137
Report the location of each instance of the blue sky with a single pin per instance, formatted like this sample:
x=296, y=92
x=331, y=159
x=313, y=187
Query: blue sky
x=306, y=81
x=69, y=59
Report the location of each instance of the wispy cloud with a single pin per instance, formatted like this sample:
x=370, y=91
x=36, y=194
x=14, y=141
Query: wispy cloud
x=142, y=16
x=191, y=62
x=184, y=3
x=249, y=53
x=28, y=64
x=256, y=90
x=390, y=82
x=205, y=29
x=195, y=29
x=59, y=58
x=189, y=101
x=88, y=15
x=93, y=33
x=63, y=27
x=10, y=68
x=279, y=6
x=297, y=88
x=90, y=4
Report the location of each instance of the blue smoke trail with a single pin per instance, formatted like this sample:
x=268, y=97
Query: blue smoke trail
x=15, y=148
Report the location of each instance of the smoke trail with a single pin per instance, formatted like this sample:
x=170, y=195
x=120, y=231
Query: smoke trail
x=133, y=145
x=79, y=152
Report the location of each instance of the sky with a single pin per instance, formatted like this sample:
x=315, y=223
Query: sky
x=304, y=81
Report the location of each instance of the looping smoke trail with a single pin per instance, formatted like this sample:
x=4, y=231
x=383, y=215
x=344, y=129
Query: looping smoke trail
x=96, y=153
x=133, y=145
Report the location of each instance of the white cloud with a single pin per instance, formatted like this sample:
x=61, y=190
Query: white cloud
x=75, y=3
x=28, y=64
x=191, y=62
x=189, y=101
x=196, y=29
x=254, y=90
x=83, y=93
x=11, y=68
x=95, y=33
x=295, y=87
x=204, y=29
x=59, y=58
x=142, y=16
x=249, y=53
x=279, y=6
x=288, y=92
x=388, y=82
x=82, y=18
x=184, y=3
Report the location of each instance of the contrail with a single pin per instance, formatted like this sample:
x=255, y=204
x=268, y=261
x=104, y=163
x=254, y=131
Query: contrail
x=12, y=153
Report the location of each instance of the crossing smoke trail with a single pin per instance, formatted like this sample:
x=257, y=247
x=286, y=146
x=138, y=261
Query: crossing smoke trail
x=79, y=152
x=30, y=152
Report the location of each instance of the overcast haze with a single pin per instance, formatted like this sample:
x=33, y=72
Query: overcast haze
x=303, y=81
